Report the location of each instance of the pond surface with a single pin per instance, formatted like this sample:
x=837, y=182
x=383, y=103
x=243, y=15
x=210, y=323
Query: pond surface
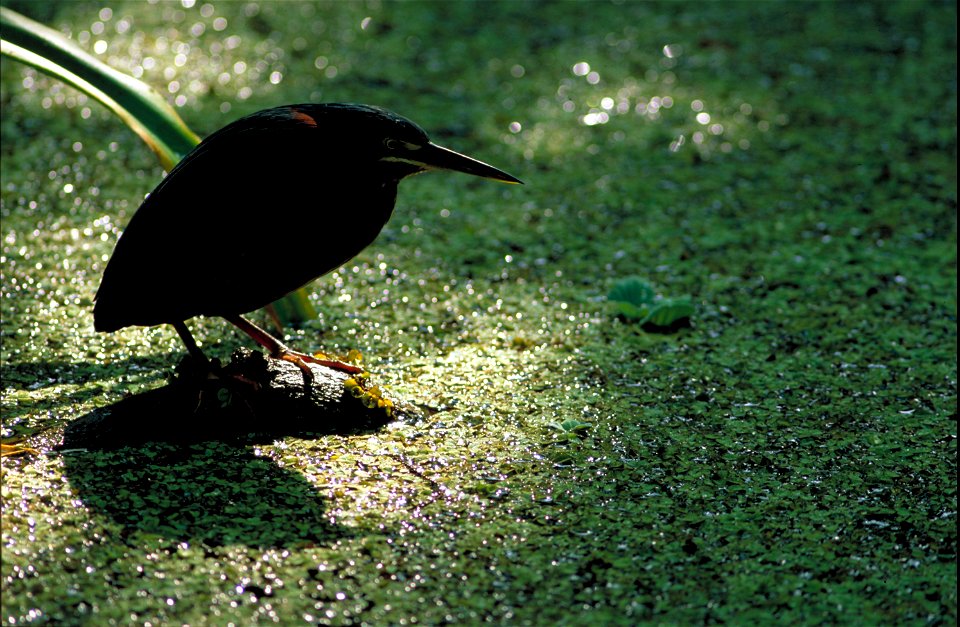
x=788, y=456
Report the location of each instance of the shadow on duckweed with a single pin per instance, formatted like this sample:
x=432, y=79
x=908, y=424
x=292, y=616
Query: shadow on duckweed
x=210, y=494
x=177, y=462
x=42, y=373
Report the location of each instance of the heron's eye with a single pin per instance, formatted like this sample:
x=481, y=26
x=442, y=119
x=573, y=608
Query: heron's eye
x=396, y=144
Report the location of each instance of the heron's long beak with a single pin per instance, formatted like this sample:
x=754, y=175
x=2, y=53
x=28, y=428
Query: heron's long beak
x=434, y=157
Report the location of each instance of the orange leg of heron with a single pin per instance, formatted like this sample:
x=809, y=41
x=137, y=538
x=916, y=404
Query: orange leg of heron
x=279, y=351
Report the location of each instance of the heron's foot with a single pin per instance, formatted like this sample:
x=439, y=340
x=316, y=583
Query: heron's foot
x=213, y=374
x=216, y=385
x=301, y=360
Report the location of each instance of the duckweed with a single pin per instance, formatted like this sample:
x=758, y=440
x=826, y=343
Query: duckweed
x=790, y=457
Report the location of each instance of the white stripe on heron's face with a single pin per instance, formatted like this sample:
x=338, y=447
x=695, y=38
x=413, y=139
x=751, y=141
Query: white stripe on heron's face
x=419, y=164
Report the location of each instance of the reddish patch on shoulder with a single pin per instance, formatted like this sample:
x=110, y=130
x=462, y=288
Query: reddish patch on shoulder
x=302, y=117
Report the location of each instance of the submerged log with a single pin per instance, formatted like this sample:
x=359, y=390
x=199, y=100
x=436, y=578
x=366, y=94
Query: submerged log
x=253, y=398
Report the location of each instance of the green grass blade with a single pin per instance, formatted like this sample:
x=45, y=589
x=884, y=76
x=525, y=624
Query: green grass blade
x=135, y=102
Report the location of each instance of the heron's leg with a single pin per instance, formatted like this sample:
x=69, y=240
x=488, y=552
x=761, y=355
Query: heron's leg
x=190, y=343
x=280, y=351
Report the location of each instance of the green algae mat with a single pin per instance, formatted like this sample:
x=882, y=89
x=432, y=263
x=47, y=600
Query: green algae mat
x=783, y=174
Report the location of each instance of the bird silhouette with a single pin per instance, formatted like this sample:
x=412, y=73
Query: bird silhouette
x=259, y=209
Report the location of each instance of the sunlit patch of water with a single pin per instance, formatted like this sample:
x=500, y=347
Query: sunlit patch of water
x=602, y=92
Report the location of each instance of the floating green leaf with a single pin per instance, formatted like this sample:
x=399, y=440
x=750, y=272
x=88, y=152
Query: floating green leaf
x=668, y=311
x=572, y=425
x=638, y=301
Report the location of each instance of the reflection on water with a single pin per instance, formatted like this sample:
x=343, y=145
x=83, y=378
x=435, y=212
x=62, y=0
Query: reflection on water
x=650, y=97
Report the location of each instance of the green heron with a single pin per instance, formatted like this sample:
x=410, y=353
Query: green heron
x=259, y=209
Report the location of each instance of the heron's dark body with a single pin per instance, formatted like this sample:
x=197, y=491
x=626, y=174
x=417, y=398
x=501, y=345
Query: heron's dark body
x=257, y=210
